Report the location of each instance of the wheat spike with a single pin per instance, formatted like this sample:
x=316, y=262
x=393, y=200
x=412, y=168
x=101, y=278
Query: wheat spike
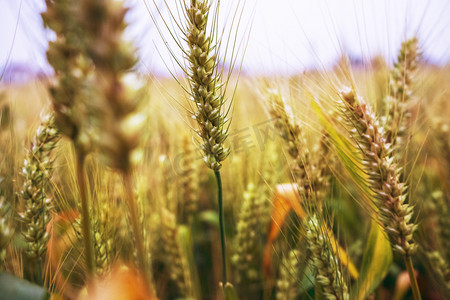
x=400, y=82
x=311, y=173
x=177, y=263
x=72, y=69
x=37, y=171
x=325, y=262
x=205, y=85
x=6, y=230
x=384, y=175
x=247, y=246
x=441, y=269
x=189, y=181
x=288, y=281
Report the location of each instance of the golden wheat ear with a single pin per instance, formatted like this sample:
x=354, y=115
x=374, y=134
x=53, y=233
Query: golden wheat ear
x=400, y=93
x=69, y=90
x=37, y=171
x=384, y=177
x=247, y=246
x=175, y=259
x=288, y=280
x=189, y=181
x=323, y=259
x=6, y=229
x=205, y=85
x=114, y=111
x=311, y=176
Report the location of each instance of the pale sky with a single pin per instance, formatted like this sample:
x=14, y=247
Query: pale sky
x=287, y=36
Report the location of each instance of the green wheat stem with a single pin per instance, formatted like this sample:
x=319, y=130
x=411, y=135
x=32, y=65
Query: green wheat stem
x=222, y=227
x=412, y=277
x=85, y=218
x=137, y=230
x=38, y=270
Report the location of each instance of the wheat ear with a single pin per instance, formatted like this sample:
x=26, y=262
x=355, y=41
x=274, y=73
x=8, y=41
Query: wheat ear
x=325, y=262
x=287, y=283
x=312, y=181
x=400, y=92
x=311, y=175
x=396, y=215
x=118, y=93
x=177, y=262
x=246, y=242
x=72, y=68
x=6, y=230
x=441, y=268
x=37, y=171
x=390, y=192
x=189, y=181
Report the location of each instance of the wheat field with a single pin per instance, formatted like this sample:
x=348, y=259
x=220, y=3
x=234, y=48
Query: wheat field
x=215, y=184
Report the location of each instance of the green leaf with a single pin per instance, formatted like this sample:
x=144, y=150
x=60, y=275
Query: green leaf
x=184, y=238
x=377, y=260
x=14, y=288
x=308, y=280
x=230, y=292
x=210, y=217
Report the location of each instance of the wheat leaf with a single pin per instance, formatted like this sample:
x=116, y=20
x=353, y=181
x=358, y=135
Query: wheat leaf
x=377, y=260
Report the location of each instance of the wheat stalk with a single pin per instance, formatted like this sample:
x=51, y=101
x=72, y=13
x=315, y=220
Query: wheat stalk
x=6, y=230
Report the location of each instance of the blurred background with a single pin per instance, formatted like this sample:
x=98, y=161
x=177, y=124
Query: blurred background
x=280, y=37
